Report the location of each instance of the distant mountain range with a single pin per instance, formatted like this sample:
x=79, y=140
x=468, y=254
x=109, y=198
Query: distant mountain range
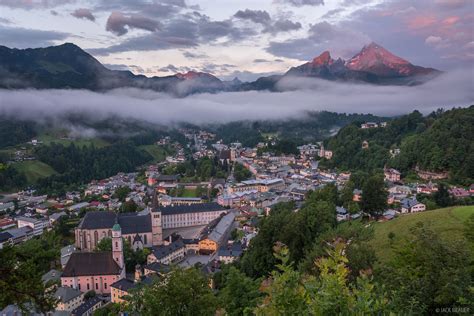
x=67, y=66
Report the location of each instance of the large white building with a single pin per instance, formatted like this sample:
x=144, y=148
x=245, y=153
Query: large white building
x=37, y=225
x=260, y=185
x=189, y=215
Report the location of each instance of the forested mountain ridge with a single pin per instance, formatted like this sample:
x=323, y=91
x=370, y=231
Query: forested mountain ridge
x=441, y=141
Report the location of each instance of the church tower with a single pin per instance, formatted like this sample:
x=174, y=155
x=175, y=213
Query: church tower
x=117, y=247
x=156, y=221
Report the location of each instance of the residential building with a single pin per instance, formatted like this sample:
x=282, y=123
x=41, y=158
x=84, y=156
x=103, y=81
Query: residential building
x=369, y=125
x=411, y=205
x=68, y=298
x=210, y=243
x=88, y=307
x=228, y=254
x=167, y=254
x=166, y=200
x=392, y=175
x=260, y=185
x=459, y=193
x=55, y=217
x=19, y=235
x=38, y=225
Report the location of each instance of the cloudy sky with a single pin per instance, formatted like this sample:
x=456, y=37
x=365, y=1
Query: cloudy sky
x=244, y=38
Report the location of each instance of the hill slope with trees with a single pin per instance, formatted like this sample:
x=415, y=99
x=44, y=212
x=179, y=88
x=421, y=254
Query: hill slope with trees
x=441, y=141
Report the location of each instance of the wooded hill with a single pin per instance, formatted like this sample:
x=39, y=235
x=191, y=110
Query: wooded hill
x=441, y=141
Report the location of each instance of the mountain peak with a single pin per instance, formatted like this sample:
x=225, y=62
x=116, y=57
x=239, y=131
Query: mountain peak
x=193, y=75
x=323, y=59
x=374, y=58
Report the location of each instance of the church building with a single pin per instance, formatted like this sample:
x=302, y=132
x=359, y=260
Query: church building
x=87, y=271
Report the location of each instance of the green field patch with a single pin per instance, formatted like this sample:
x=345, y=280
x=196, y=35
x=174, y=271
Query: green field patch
x=447, y=222
x=48, y=139
x=34, y=170
x=158, y=153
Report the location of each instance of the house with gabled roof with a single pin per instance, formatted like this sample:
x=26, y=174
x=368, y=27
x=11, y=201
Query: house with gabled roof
x=411, y=205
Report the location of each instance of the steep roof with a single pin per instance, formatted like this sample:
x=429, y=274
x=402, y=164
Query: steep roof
x=158, y=267
x=123, y=284
x=409, y=203
x=98, y=220
x=65, y=293
x=133, y=223
x=86, y=306
x=129, y=222
x=161, y=252
x=222, y=227
x=91, y=263
x=4, y=236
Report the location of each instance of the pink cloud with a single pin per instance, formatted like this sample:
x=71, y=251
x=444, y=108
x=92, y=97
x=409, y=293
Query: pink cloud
x=451, y=20
x=421, y=22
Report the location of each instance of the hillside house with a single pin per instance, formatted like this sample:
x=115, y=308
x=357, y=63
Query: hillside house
x=412, y=206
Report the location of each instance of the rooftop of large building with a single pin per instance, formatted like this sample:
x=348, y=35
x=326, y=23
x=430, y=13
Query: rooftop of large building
x=161, y=252
x=130, y=223
x=91, y=263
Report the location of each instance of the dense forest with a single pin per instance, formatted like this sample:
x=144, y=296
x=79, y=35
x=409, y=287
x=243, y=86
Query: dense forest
x=13, y=132
x=314, y=126
x=78, y=165
x=441, y=141
x=446, y=145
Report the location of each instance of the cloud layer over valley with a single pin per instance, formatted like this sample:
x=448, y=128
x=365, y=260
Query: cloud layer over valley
x=448, y=90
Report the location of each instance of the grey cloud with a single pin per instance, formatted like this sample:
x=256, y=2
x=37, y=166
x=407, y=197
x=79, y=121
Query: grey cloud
x=26, y=38
x=180, y=32
x=34, y=4
x=157, y=9
x=217, y=68
x=447, y=90
x=189, y=54
x=83, y=13
x=256, y=16
x=261, y=60
x=119, y=23
x=453, y=4
x=5, y=21
x=262, y=17
x=169, y=68
x=283, y=25
x=300, y=3
x=145, y=43
x=341, y=41
x=116, y=66
x=54, y=12
x=332, y=13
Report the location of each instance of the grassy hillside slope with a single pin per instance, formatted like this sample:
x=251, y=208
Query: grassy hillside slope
x=447, y=222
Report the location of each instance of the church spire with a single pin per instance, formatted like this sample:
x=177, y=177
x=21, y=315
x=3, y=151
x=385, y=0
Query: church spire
x=117, y=246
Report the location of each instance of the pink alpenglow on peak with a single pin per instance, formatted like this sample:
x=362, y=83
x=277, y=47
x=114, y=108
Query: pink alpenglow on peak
x=323, y=59
x=375, y=59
